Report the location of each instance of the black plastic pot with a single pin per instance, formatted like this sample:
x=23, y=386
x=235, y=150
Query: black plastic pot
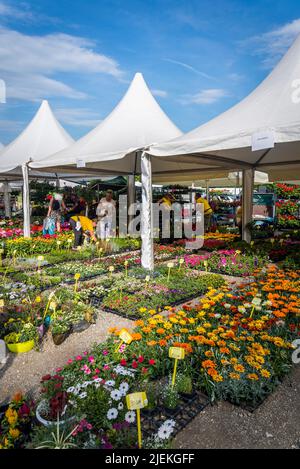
x=186, y=397
x=81, y=326
x=171, y=412
x=58, y=339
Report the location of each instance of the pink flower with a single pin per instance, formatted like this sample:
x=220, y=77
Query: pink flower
x=78, y=358
x=69, y=361
x=85, y=353
x=91, y=359
x=105, y=352
x=106, y=367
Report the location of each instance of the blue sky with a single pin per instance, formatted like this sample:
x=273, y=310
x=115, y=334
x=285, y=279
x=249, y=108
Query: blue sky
x=199, y=57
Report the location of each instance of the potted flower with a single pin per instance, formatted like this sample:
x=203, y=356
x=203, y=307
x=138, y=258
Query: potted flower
x=60, y=329
x=22, y=341
x=170, y=400
x=185, y=386
x=152, y=397
x=54, y=403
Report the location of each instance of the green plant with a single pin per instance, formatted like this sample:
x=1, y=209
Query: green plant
x=59, y=439
x=184, y=384
x=170, y=397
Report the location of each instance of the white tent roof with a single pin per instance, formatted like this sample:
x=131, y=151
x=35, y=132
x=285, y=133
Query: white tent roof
x=43, y=136
x=272, y=110
x=223, y=180
x=1, y=146
x=135, y=123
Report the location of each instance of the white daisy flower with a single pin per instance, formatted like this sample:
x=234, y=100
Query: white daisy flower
x=130, y=416
x=115, y=395
x=83, y=395
x=120, y=406
x=112, y=413
x=110, y=383
x=124, y=388
x=169, y=423
x=71, y=390
x=164, y=433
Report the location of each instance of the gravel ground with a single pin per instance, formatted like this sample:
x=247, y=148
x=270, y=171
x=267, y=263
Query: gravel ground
x=23, y=372
x=274, y=425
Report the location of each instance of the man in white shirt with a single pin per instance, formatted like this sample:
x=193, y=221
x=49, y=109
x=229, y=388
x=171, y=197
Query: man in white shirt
x=105, y=213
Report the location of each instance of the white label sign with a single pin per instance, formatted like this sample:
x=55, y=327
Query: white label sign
x=263, y=140
x=80, y=163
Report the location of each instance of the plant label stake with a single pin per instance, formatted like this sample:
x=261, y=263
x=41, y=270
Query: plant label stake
x=76, y=277
x=126, y=268
x=1, y=252
x=137, y=401
x=111, y=270
x=177, y=353
x=1, y=305
x=52, y=294
x=14, y=257
x=256, y=302
x=205, y=263
x=69, y=244
x=147, y=279
x=58, y=244
x=40, y=260
x=170, y=266
x=181, y=262
x=126, y=338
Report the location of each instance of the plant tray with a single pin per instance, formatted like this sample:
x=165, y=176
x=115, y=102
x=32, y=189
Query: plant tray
x=187, y=411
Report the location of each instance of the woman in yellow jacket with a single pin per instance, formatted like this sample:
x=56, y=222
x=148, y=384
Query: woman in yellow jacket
x=82, y=226
x=208, y=211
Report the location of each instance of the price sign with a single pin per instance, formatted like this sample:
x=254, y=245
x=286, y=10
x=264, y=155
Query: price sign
x=137, y=400
x=125, y=336
x=176, y=352
x=76, y=277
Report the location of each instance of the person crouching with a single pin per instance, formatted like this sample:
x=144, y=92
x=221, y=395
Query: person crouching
x=82, y=228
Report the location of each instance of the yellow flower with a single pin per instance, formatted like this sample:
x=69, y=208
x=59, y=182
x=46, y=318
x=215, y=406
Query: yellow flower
x=142, y=310
x=265, y=373
x=252, y=376
x=152, y=312
x=234, y=376
x=14, y=433
x=11, y=416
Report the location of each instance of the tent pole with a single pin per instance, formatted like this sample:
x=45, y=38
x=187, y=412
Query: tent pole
x=6, y=197
x=248, y=182
x=130, y=197
x=26, y=201
x=207, y=190
x=147, y=257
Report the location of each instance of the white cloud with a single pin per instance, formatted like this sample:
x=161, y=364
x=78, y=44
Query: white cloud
x=189, y=67
x=208, y=96
x=29, y=64
x=8, y=11
x=77, y=117
x=159, y=93
x=273, y=44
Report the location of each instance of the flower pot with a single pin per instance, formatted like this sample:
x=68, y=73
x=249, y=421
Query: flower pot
x=21, y=347
x=58, y=339
x=43, y=406
x=188, y=396
x=171, y=412
x=81, y=326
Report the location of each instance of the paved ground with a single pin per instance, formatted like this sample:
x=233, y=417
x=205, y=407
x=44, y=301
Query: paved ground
x=274, y=425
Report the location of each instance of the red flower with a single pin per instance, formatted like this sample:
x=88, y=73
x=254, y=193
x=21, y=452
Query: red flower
x=46, y=378
x=140, y=359
x=144, y=370
x=134, y=364
x=123, y=362
x=151, y=361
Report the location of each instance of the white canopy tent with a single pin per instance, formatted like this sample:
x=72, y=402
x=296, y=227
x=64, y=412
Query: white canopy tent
x=43, y=136
x=116, y=144
x=261, y=132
